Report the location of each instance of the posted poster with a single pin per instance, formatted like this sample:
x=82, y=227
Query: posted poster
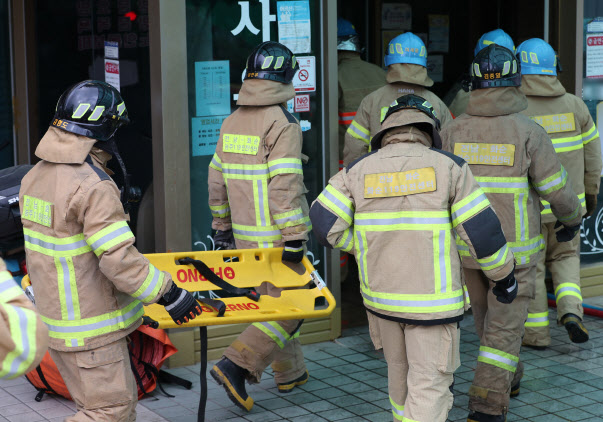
x=594, y=55
x=305, y=79
x=205, y=132
x=396, y=16
x=212, y=88
x=294, y=25
x=112, y=73
x=435, y=67
x=439, y=26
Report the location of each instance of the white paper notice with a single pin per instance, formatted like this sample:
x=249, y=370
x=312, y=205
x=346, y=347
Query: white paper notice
x=396, y=16
x=294, y=25
x=112, y=73
x=305, y=79
x=594, y=56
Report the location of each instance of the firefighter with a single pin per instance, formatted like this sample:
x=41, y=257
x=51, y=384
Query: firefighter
x=406, y=62
x=514, y=162
x=23, y=335
x=357, y=79
x=257, y=199
x=575, y=138
x=497, y=36
x=398, y=208
x=90, y=281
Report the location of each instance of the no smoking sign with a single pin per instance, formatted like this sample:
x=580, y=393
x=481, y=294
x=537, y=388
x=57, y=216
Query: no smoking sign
x=305, y=79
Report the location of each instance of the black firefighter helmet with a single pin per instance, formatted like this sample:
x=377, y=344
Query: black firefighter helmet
x=273, y=61
x=91, y=108
x=425, y=119
x=495, y=66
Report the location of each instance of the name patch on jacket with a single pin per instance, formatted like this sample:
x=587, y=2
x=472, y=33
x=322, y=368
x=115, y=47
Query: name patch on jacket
x=240, y=144
x=556, y=123
x=37, y=210
x=487, y=154
x=383, y=185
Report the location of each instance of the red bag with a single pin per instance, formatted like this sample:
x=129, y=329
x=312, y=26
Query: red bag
x=149, y=348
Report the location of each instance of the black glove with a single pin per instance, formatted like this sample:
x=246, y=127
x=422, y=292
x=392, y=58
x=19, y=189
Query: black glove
x=567, y=233
x=293, y=251
x=591, y=204
x=505, y=290
x=180, y=304
x=224, y=240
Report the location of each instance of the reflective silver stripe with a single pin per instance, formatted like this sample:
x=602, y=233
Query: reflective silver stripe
x=363, y=273
x=513, y=185
x=468, y=206
x=292, y=218
x=110, y=236
x=274, y=331
x=6, y=285
x=261, y=202
x=553, y=182
x=414, y=303
x=522, y=222
x=119, y=319
x=400, y=220
x=25, y=341
x=498, y=358
x=292, y=166
x=567, y=144
x=256, y=233
x=501, y=257
x=344, y=208
x=216, y=163
x=591, y=136
x=223, y=211
x=539, y=319
x=67, y=288
x=60, y=248
x=177, y=302
x=567, y=289
x=348, y=239
x=359, y=132
x=246, y=172
x=526, y=248
x=147, y=292
x=442, y=258
x=96, y=114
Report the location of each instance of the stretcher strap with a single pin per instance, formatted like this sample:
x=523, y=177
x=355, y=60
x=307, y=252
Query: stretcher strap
x=215, y=279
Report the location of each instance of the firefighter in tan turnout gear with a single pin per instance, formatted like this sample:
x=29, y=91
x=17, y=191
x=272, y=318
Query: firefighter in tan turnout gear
x=514, y=161
x=406, y=62
x=398, y=208
x=257, y=196
x=90, y=282
x=575, y=138
x=23, y=335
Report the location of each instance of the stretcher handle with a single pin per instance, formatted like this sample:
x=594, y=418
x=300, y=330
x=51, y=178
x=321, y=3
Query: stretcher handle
x=215, y=279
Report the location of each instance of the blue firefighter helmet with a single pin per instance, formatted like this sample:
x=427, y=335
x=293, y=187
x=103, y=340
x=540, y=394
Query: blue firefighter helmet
x=347, y=37
x=498, y=36
x=406, y=48
x=345, y=28
x=537, y=57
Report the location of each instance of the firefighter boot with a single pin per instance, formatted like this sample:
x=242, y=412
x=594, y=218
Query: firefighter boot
x=232, y=377
x=288, y=386
x=515, y=390
x=483, y=417
x=576, y=330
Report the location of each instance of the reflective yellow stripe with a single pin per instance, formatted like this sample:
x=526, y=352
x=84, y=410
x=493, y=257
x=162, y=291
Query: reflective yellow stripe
x=498, y=358
x=8, y=287
x=256, y=233
x=359, y=132
x=547, y=205
x=538, y=319
x=110, y=236
x=402, y=220
x=495, y=260
x=523, y=250
x=503, y=184
x=337, y=203
x=22, y=323
x=591, y=134
x=216, y=163
x=566, y=144
x=150, y=286
x=346, y=243
x=468, y=207
x=414, y=303
x=220, y=211
x=552, y=183
x=397, y=409
x=291, y=218
x=55, y=246
x=276, y=332
x=567, y=289
x=284, y=166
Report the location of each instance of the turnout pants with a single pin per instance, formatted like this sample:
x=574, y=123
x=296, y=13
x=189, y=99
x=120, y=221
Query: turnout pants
x=265, y=343
x=563, y=261
x=500, y=328
x=421, y=361
x=100, y=382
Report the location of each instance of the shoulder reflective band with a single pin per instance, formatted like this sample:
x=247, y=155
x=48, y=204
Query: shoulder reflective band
x=486, y=154
x=22, y=324
x=402, y=220
x=552, y=183
x=495, y=260
x=276, y=332
x=95, y=326
x=567, y=289
x=337, y=203
x=220, y=211
x=8, y=287
x=37, y=210
x=346, y=118
x=589, y=135
x=547, y=205
x=216, y=163
x=556, y=123
x=150, y=286
x=54, y=246
x=346, y=243
x=110, y=236
x=397, y=409
x=290, y=219
x=503, y=184
x=285, y=166
x=468, y=207
x=498, y=358
x=357, y=131
x=538, y=320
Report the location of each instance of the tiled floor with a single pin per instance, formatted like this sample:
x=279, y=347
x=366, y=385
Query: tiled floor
x=349, y=383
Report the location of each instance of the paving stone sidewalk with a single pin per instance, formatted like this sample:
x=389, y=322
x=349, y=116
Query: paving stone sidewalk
x=348, y=382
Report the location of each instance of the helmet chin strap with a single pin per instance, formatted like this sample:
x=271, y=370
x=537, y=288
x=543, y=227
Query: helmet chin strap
x=111, y=147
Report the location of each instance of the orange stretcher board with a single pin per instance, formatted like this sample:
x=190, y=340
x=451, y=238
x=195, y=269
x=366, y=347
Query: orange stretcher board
x=247, y=268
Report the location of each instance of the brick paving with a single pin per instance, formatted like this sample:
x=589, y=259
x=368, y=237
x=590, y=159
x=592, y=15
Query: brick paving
x=348, y=382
